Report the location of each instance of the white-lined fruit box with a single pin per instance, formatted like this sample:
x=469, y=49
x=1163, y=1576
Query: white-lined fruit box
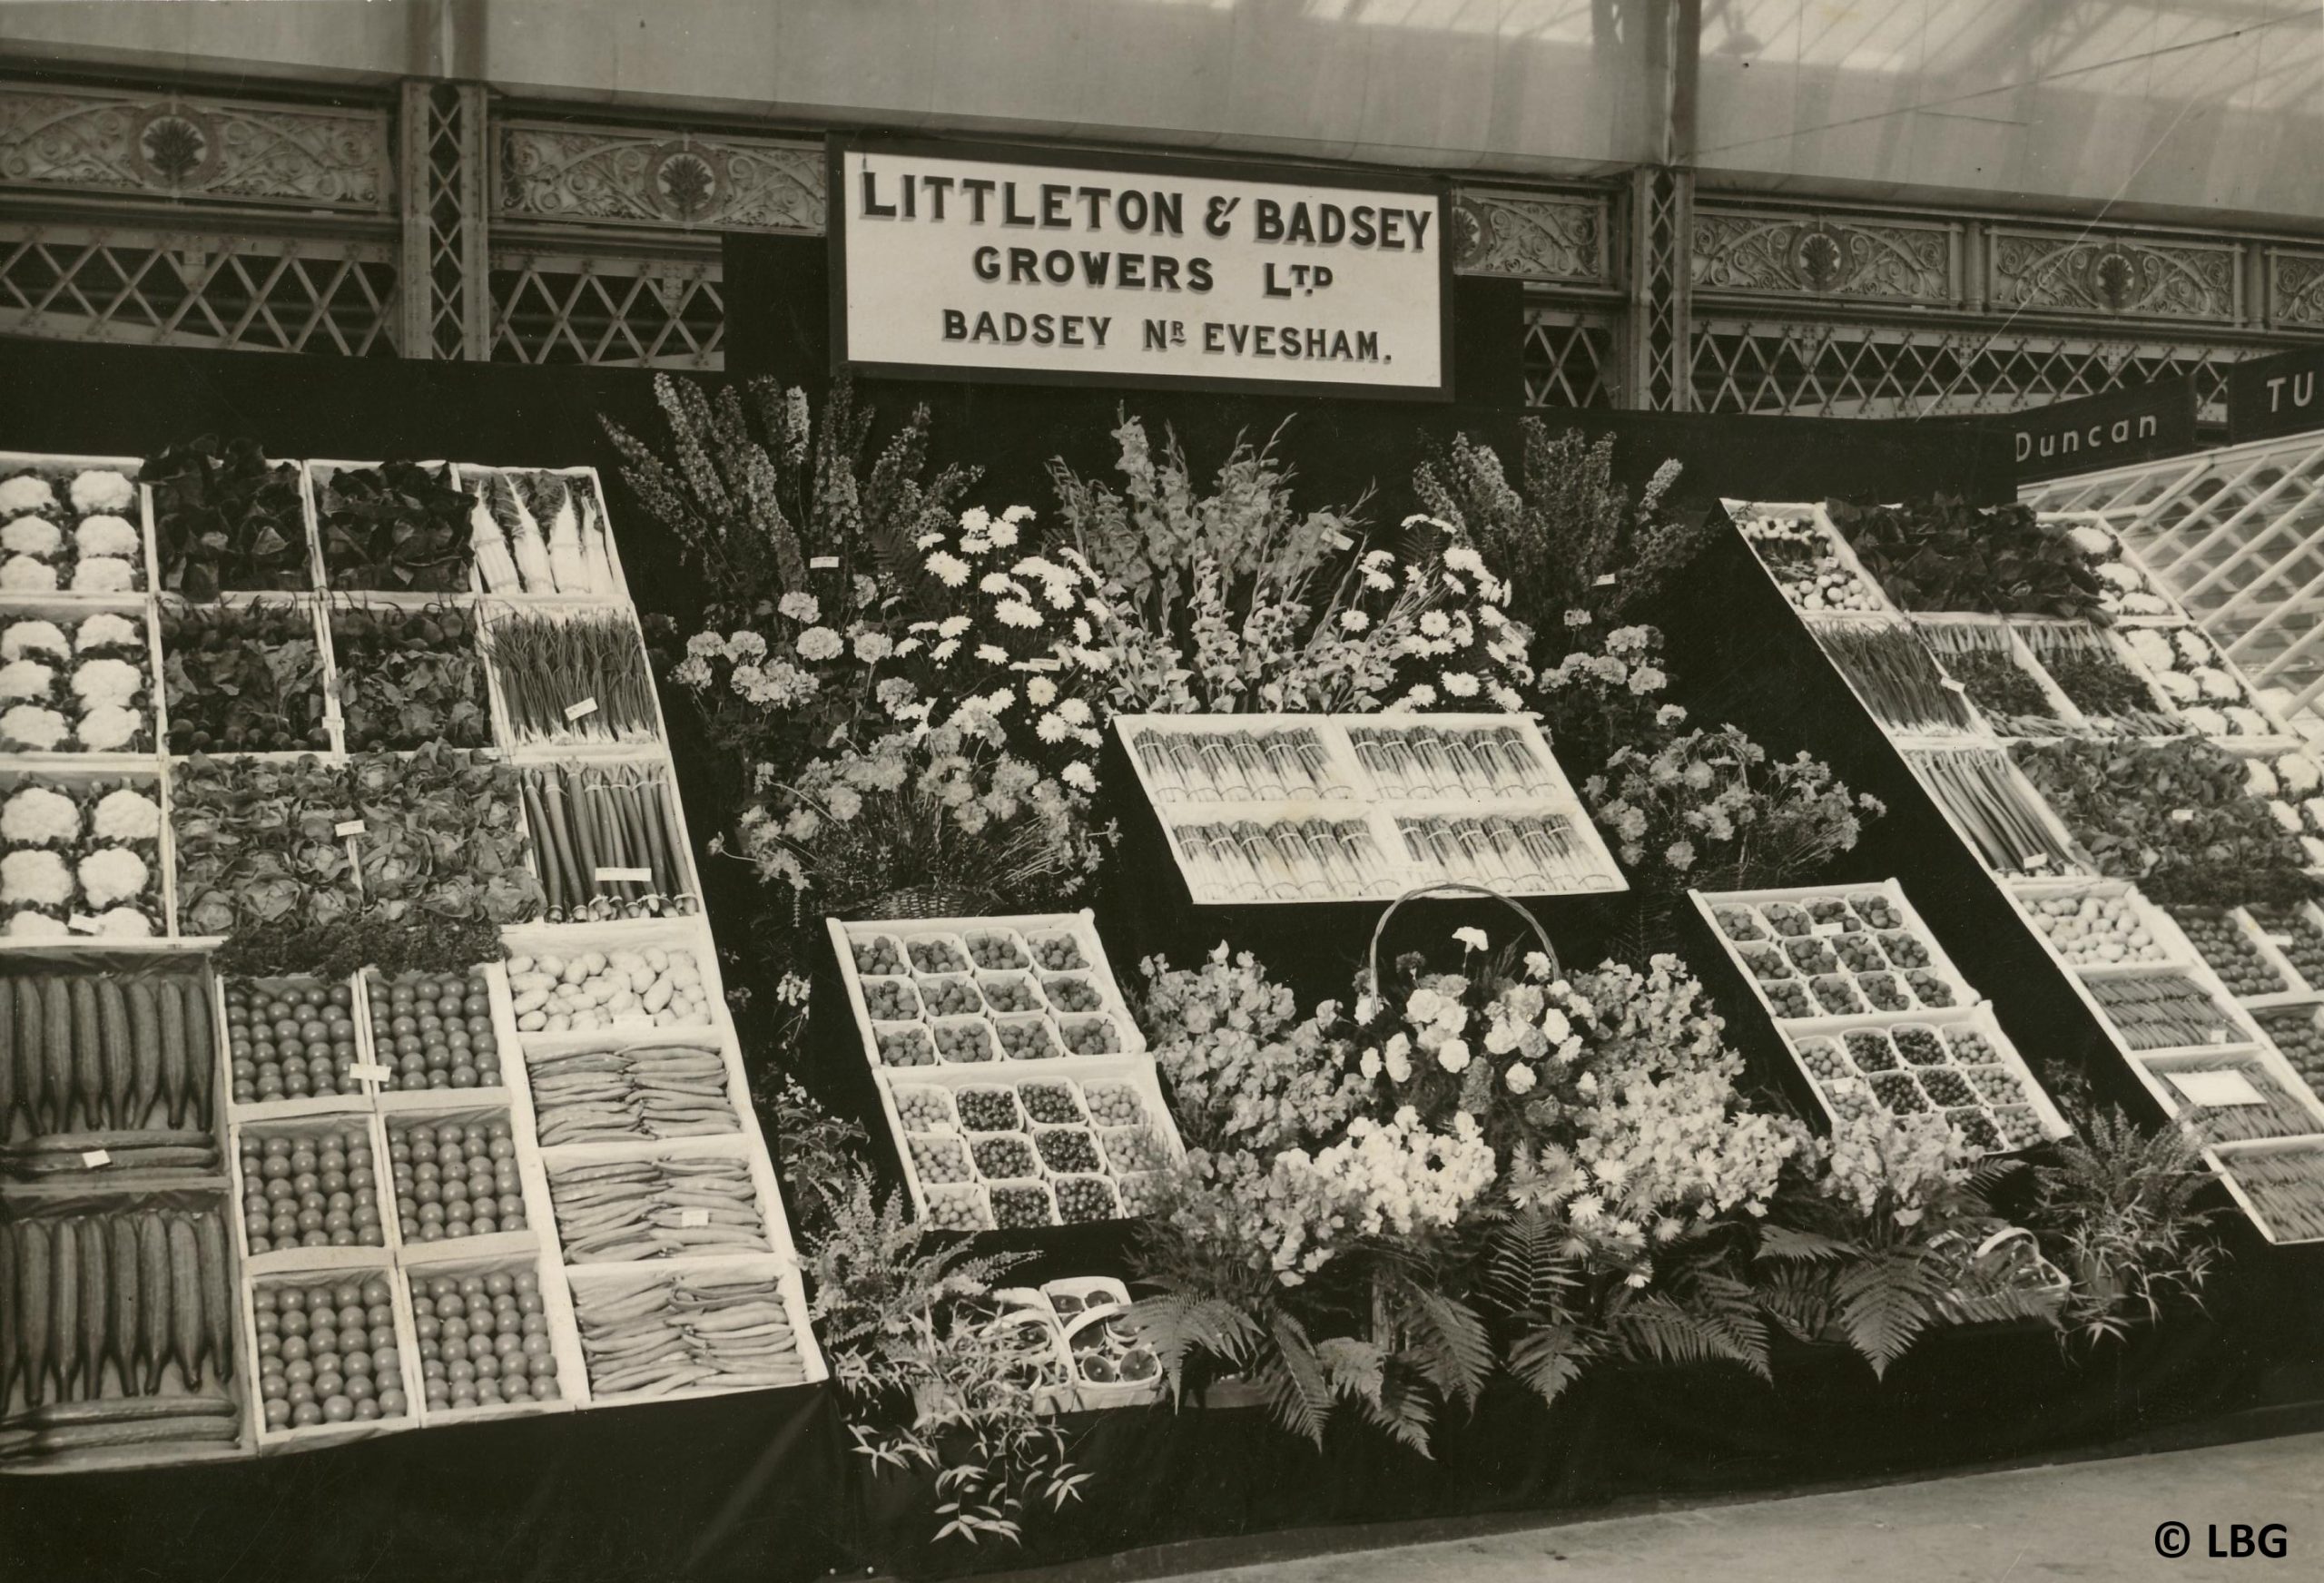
x=2098, y=925
x=1074, y=1340
x=2133, y=571
x=964, y=1132
x=1953, y=637
x=1050, y=966
x=1840, y=950
x=1808, y=559
x=1829, y=628
x=2052, y=851
x=271, y=1352
x=1968, y=1044
x=570, y=1373
x=86, y=783
x=1293, y=809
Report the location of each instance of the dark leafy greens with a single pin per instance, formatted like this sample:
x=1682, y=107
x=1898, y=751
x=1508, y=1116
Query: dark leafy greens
x=397, y=527
x=242, y=679
x=1944, y=553
x=225, y=518
x=409, y=677
x=2174, y=816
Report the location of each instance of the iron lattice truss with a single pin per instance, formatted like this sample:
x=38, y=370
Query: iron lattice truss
x=629, y=311
x=1570, y=358
x=227, y=290
x=1826, y=370
x=2238, y=534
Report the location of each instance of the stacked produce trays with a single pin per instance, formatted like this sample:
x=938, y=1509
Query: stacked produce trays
x=2240, y=991
x=390, y=1155
x=1267, y=809
x=1875, y=1013
x=1017, y=1087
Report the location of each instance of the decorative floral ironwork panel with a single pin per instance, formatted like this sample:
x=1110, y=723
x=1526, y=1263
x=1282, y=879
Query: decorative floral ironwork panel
x=2295, y=288
x=1531, y=236
x=2114, y=275
x=609, y=175
x=1797, y=255
x=176, y=147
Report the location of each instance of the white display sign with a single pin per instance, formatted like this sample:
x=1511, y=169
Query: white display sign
x=950, y=264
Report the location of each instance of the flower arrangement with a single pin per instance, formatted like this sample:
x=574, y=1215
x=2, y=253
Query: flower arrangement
x=80, y=858
x=67, y=530
x=947, y=805
x=1709, y=809
x=1566, y=534
x=90, y=692
x=1236, y=602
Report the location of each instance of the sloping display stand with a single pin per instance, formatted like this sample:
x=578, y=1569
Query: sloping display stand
x=250, y=1214
x=2209, y=1007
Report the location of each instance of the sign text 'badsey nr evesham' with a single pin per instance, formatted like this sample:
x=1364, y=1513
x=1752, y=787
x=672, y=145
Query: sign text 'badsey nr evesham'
x=958, y=265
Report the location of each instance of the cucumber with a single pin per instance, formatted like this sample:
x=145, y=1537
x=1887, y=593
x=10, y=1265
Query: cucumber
x=123, y=1410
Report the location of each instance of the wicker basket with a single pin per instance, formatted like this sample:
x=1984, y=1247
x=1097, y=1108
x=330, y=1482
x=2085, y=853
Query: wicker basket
x=915, y=902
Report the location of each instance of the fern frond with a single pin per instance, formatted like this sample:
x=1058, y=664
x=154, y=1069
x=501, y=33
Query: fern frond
x=1546, y=1360
x=1297, y=1388
x=1179, y=1325
x=1785, y=1242
x=1451, y=1351
x=1883, y=1305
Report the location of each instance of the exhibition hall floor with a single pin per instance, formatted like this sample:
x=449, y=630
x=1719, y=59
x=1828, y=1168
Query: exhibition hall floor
x=2081, y=1520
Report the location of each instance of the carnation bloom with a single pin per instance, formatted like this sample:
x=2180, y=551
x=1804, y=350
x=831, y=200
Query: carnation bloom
x=819, y=643
x=1520, y=1079
x=110, y=875
x=108, y=536
x=26, y=492
x=800, y=605
x=31, y=535
x=31, y=726
x=35, y=877
x=102, y=489
x=1079, y=776
x=124, y=816
x=34, y=637
x=23, y=573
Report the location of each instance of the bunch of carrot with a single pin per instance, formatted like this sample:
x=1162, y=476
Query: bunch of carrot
x=608, y=839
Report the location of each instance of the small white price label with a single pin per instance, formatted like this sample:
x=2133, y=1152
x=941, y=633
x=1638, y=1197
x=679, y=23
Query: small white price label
x=822, y=563
x=2182, y=816
x=2282, y=942
x=1828, y=929
x=2037, y=860
x=2217, y=1088
x=587, y=707
x=2219, y=1036
x=1953, y=684
x=95, y=1159
x=1606, y=580
x=371, y=1072
x=1341, y=541
x=82, y=923
x=624, y=876
x=690, y=1218
x=348, y=827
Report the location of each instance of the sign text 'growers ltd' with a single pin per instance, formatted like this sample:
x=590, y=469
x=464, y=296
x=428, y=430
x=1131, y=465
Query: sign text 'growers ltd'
x=953, y=264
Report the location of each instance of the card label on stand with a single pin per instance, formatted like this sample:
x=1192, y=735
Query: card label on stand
x=95, y=1159
x=691, y=1219
x=82, y=923
x=371, y=1072
x=348, y=827
x=624, y=876
x=587, y=707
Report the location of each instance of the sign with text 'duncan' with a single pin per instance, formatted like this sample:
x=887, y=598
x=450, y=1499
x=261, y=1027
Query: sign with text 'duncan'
x=954, y=262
